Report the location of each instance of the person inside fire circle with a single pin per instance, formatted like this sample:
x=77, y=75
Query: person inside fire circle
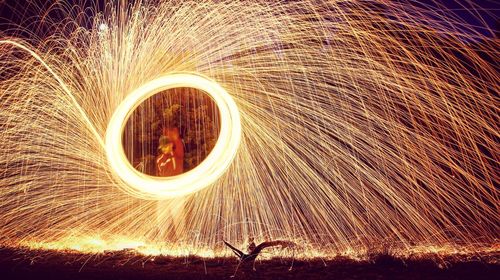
x=170, y=160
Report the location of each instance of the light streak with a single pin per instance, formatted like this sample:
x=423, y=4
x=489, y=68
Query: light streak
x=361, y=124
x=216, y=163
x=103, y=27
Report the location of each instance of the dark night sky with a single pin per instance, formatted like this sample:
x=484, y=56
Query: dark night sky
x=481, y=14
x=472, y=12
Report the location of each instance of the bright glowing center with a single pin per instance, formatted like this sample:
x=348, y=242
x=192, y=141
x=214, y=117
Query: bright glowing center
x=217, y=162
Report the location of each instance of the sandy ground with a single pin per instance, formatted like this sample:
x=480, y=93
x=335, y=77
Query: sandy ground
x=25, y=264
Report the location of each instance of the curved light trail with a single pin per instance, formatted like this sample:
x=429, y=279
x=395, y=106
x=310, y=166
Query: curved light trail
x=216, y=163
x=346, y=125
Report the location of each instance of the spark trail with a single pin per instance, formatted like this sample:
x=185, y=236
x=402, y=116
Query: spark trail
x=361, y=122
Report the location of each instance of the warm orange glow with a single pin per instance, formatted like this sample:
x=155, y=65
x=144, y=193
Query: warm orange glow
x=98, y=245
x=345, y=126
x=217, y=162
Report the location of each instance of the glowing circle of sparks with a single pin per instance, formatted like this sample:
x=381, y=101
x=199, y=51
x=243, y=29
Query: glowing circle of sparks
x=208, y=171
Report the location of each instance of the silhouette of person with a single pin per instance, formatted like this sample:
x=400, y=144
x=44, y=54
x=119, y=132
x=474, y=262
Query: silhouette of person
x=251, y=245
x=170, y=161
x=170, y=214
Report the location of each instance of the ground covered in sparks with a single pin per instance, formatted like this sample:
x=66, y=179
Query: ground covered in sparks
x=127, y=264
